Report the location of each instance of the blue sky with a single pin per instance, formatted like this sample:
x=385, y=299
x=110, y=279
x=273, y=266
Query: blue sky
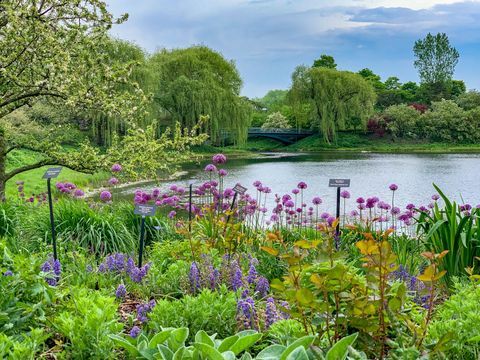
x=267, y=39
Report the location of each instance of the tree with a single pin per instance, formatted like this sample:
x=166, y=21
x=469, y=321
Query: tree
x=53, y=50
x=435, y=58
x=333, y=97
x=374, y=79
x=469, y=100
x=276, y=120
x=325, y=61
x=401, y=120
x=199, y=81
x=393, y=83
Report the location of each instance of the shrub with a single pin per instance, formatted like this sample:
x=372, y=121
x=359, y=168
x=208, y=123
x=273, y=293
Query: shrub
x=212, y=311
x=276, y=120
x=86, y=322
x=458, y=319
x=402, y=120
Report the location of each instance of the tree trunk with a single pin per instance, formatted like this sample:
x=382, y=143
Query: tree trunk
x=3, y=160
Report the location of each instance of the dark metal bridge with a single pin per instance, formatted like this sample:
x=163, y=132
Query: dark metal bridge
x=285, y=136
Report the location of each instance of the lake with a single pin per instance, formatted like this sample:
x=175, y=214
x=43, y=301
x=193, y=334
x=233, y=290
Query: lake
x=458, y=175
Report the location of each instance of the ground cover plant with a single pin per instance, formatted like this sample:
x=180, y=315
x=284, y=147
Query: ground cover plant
x=238, y=280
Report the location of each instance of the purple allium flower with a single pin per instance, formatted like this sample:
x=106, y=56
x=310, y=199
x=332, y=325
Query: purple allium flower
x=8, y=273
x=345, y=194
x=78, y=193
x=354, y=213
x=222, y=172
x=295, y=191
x=325, y=216
x=360, y=200
x=410, y=207
x=257, y=183
x=395, y=210
x=330, y=220
x=302, y=185
x=105, y=196
x=113, y=181
x=289, y=204
x=121, y=291
x=316, y=200
x=271, y=314
x=262, y=287
x=370, y=203
x=435, y=197
x=135, y=332
x=393, y=187
x=172, y=214
x=219, y=159
x=116, y=168
x=210, y=168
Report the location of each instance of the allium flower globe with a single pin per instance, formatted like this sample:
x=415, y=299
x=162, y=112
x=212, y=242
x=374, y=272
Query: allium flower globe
x=105, y=196
x=219, y=159
x=116, y=168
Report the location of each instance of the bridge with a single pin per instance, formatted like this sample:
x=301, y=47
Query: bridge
x=285, y=136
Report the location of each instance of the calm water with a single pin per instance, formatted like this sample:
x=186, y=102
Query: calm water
x=458, y=175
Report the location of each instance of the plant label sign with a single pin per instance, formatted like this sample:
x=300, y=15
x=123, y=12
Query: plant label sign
x=52, y=173
x=239, y=189
x=339, y=183
x=145, y=210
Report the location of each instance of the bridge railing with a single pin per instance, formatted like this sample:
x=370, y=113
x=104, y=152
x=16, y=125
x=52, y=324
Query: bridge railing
x=258, y=130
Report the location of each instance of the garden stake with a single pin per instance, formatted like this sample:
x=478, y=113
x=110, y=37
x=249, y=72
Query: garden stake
x=142, y=236
x=49, y=175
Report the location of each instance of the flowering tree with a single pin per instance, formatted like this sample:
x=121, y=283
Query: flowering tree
x=276, y=120
x=55, y=49
x=143, y=154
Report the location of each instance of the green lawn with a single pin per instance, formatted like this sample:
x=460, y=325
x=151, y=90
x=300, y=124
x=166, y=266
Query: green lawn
x=34, y=183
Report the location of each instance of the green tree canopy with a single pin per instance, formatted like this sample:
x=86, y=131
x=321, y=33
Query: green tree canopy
x=199, y=81
x=54, y=50
x=333, y=97
x=435, y=58
x=325, y=61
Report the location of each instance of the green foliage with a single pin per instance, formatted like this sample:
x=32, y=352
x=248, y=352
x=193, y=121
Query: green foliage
x=199, y=81
x=7, y=219
x=451, y=229
x=435, y=58
x=276, y=121
x=333, y=98
x=325, y=61
x=25, y=347
x=402, y=120
x=213, y=312
x=145, y=155
x=96, y=228
x=284, y=332
x=25, y=287
x=469, y=100
x=86, y=321
x=457, y=320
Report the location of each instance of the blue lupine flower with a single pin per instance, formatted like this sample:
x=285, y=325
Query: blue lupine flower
x=135, y=332
x=194, y=277
x=252, y=274
x=121, y=291
x=262, y=287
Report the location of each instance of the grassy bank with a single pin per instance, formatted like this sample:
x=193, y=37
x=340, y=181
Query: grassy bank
x=360, y=142
x=34, y=184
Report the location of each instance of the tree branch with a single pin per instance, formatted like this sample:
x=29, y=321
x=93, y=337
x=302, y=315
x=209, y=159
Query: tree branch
x=45, y=162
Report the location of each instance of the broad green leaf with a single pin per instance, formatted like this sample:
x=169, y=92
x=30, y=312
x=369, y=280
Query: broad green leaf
x=305, y=341
x=229, y=355
x=202, y=337
x=339, y=351
x=272, y=352
x=244, y=343
x=209, y=351
x=159, y=338
x=124, y=344
x=227, y=342
x=165, y=352
x=298, y=354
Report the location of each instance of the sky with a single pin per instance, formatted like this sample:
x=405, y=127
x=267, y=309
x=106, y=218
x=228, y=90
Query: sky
x=267, y=39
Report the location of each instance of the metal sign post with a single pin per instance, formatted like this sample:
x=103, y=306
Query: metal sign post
x=50, y=174
x=338, y=183
x=143, y=211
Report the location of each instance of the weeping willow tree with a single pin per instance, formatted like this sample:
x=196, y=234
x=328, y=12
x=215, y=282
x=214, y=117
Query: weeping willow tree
x=103, y=126
x=198, y=81
x=332, y=97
